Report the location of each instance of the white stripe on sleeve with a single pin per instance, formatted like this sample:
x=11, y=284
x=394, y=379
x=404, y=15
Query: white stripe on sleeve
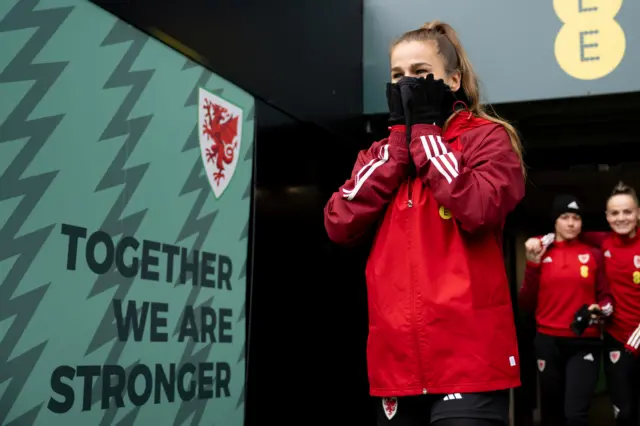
x=634, y=340
x=365, y=172
x=425, y=145
x=443, y=160
x=448, y=164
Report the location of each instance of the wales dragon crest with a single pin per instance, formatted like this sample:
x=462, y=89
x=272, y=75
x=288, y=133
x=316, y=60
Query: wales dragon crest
x=220, y=132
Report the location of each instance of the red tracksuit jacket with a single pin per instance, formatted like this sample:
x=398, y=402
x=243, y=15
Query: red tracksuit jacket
x=622, y=266
x=622, y=262
x=570, y=275
x=440, y=313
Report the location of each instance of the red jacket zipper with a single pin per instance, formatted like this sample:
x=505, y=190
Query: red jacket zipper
x=413, y=296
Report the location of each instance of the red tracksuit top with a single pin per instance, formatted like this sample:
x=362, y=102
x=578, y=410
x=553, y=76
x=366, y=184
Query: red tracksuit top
x=622, y=263
x=569, y=275
x=440, y=312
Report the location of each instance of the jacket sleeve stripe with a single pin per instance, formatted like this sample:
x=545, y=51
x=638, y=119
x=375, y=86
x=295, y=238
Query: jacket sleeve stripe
x=443, y=148
x=437, y=150
x=450, y=162
x=425, y=145
x=436, y=162
x=634, y=340
x=370, y=167
x=442, y=159
x=358, y=176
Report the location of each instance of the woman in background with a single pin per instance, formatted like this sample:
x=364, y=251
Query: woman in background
x=569, y=277
x=621, y=250
x=442, y=344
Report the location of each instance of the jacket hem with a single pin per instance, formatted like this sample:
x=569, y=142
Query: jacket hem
x=555, y=332
x=446, y=389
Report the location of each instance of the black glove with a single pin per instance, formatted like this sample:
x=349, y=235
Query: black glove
x=449, y=102
x=423, y=99
x=582, y=319
x=394, y=101
x=397, y=116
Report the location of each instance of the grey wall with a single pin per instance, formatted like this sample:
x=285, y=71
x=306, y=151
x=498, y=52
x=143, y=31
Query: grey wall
x=512, y=44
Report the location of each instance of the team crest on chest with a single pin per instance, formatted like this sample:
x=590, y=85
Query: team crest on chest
x=390, y=407
x=636, y=277
x=614, y=356
x=583, y=258
x=541, y=365
x=636, y=262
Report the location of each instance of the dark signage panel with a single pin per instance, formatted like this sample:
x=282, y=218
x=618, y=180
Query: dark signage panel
x=521, y=50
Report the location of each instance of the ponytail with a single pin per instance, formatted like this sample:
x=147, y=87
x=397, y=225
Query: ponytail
x=457, y=60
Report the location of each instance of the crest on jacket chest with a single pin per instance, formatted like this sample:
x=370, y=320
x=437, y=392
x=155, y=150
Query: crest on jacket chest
x=584, y=258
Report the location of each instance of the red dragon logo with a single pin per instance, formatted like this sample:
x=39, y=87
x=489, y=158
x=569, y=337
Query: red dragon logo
x=390, y=406
x=220, y=127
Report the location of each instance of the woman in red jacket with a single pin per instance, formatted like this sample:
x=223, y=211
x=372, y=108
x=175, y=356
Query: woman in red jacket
x=560, y=287
x=442, y=345
x=621, y=250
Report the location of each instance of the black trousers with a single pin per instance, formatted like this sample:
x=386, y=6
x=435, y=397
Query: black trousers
x=568, y=369
x=466, y=409
x=622, y=370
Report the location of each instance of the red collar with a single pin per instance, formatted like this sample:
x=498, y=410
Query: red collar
x=462, y=122
x=566, y=243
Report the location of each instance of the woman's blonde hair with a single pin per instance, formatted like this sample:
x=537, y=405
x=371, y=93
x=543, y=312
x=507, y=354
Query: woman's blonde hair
x=456, y=59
